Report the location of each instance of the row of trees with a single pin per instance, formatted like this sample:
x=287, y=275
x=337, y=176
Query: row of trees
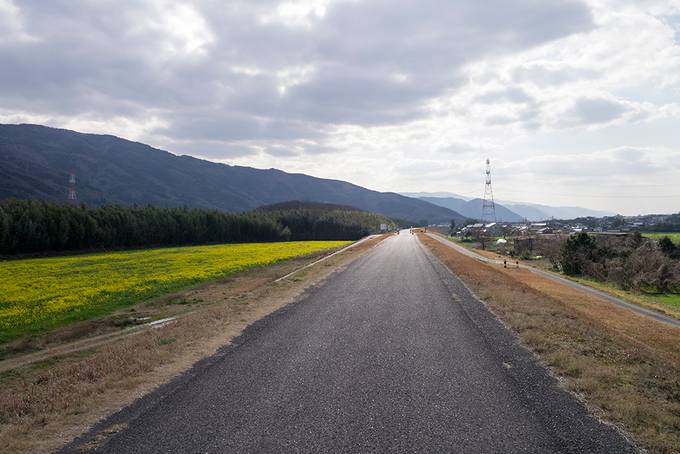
x=671, y=224
x=319, y=221
x=31, y=226
x=633, y=263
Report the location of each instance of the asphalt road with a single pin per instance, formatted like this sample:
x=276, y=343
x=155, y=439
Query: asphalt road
x=392, y=354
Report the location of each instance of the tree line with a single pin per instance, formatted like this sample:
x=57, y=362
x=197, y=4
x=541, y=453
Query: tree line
x=321, y=221
x=632, y=262
x=39, y=227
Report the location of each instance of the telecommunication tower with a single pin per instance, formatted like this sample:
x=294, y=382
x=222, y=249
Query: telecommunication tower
x=72, y=194
x=488, y=206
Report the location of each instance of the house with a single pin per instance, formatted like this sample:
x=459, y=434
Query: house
x=536, y=226
x=472, y=230
x=493, y=229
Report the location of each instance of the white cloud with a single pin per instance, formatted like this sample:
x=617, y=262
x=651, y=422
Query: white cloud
x=12, y=26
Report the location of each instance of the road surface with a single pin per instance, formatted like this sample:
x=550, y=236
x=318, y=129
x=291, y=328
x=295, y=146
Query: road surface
x=391, y=354
x=640, y=310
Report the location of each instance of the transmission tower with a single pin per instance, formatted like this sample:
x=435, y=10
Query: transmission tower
x=488, y=206
x=72, y=194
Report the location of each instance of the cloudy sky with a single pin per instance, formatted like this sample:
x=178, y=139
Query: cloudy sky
x=576, y=102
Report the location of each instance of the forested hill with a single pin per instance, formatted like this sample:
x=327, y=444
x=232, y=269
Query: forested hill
x=36, y=160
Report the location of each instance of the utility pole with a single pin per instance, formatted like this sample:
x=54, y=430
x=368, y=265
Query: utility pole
x=488, y=206
x=72, y=194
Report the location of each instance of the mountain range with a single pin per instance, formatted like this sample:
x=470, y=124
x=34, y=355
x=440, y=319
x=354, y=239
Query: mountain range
x=36, y=162
x=507, y=211
x=473, y=208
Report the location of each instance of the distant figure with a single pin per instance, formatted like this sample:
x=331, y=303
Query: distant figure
x=505, y=263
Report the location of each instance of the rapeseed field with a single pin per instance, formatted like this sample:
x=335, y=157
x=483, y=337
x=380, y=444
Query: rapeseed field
x=39, y=294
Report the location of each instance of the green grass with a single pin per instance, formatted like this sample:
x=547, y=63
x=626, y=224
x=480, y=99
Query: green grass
x=674, y=236
x=667, y=302
x=37, y=295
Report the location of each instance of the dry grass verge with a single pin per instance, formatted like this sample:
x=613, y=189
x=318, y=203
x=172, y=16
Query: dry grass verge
x=46, y=404
x=625, y=366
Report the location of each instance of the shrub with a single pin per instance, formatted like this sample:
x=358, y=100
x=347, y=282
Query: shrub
x=576, y=253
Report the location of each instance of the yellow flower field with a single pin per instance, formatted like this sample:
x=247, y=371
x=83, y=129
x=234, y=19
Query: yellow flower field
x=38, y=294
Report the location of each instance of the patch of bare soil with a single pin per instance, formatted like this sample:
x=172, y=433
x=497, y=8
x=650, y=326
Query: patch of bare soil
x=626, y=366
x=45, y=404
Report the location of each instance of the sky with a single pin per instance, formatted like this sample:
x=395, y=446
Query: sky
x=575, y=102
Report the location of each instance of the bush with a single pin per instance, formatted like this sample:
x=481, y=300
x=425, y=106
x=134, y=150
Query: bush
x=576, y=253
x=669, y=248
x=632, y=263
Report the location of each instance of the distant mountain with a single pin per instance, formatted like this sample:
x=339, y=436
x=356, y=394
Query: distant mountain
x=525, y=210
x=35, y=162
x=529, y=212
x=473, y=208
x=538, y=212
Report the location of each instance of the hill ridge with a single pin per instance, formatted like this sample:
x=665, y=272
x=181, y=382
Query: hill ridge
x=109, y=169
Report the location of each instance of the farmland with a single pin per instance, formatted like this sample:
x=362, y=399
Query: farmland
x=39, y=294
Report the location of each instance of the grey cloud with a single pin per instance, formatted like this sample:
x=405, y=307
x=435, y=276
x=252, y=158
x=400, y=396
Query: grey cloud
x=227, y=126
x=621, y=162
x=500, y=120
x=528, y=116
x=629, y=154
x=596, y=111
x=511, y=95
x=370, y=62
x=280, y=151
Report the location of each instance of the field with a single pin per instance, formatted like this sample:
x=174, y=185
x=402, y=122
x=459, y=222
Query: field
x=675, y=236
x=39, y=294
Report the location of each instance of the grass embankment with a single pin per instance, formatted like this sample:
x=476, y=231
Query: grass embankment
x=37, y=295
x=667, y=303
x=626, y=366
x=674, y=236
